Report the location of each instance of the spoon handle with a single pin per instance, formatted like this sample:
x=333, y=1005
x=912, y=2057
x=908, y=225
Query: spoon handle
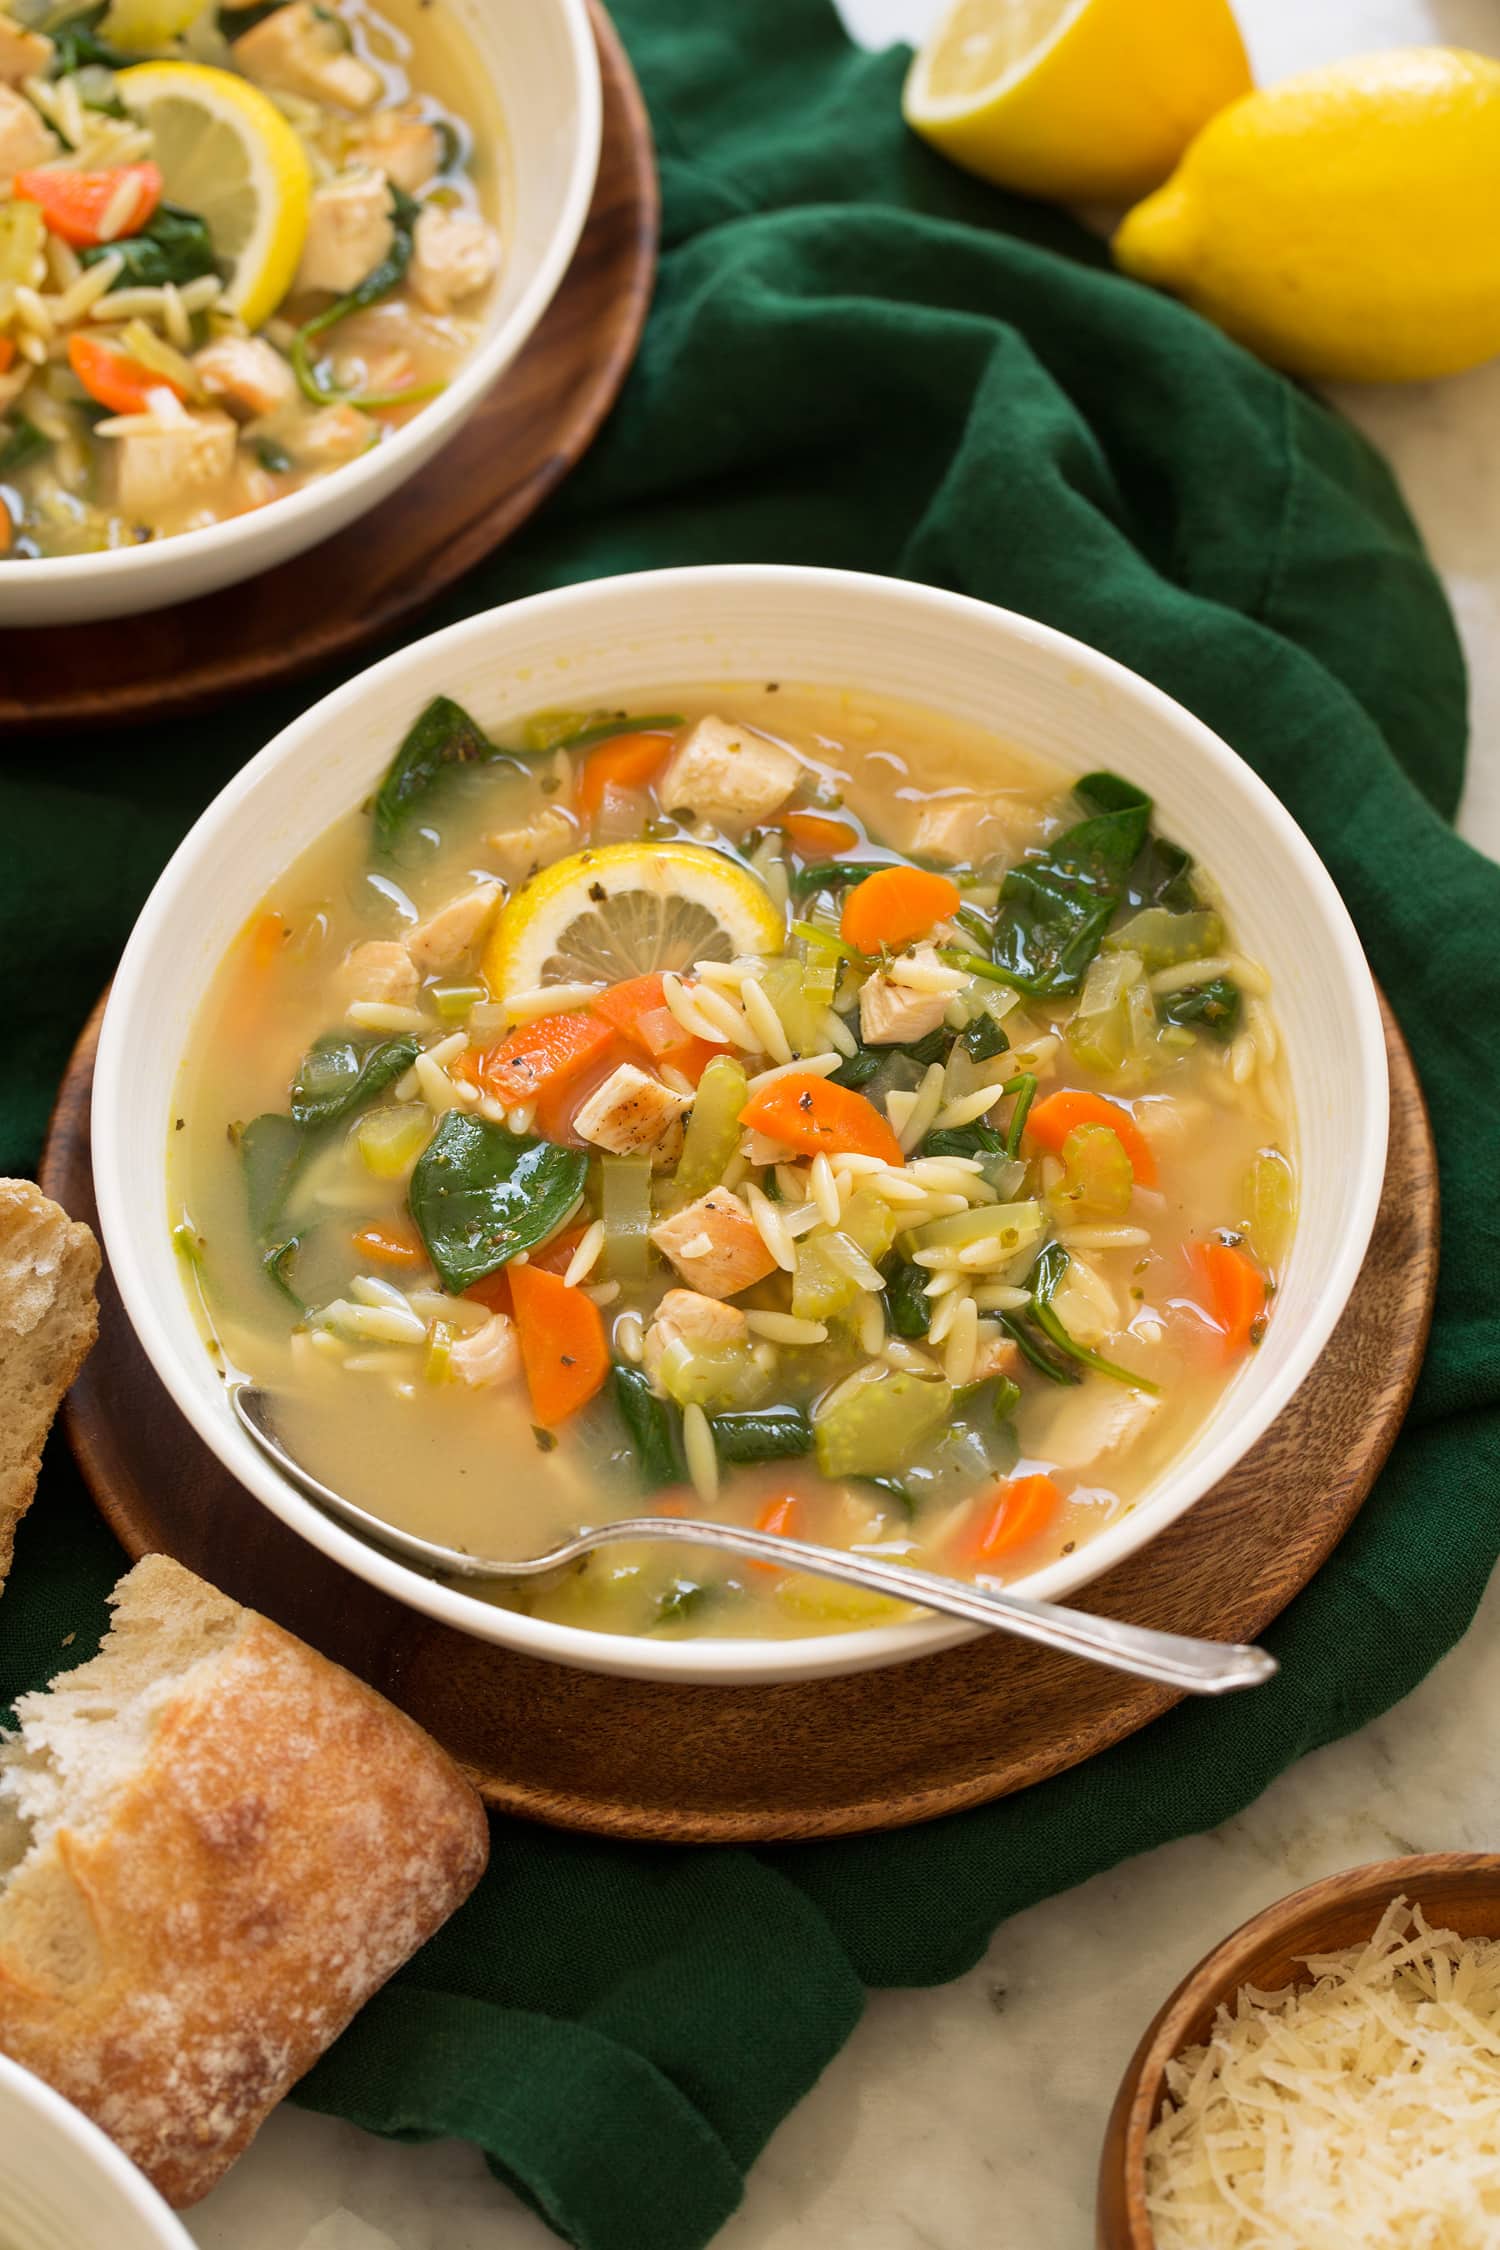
x=1172, y=1659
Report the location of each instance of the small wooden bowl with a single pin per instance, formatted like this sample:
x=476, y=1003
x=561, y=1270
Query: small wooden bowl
x=1456, y=1890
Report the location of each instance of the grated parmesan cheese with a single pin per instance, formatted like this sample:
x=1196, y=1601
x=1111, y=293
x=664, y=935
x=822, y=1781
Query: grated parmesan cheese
x=1361, y=2112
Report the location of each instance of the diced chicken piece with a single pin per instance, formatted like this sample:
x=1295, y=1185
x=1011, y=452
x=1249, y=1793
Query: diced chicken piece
x=729, y=775
x=245, y=372
x=486, y=1355
x=997, y=1355
x=403, y=144
x=629, y=1112
x=172, y=467
x=453, y=255
x=521, y=852
x=380, y=969
x=1096, y=1424
x=668, y=1150
x=24, y=139
x=685, y=1317
x=304, y=49
x=23, y=54
x=444, y=938
x=715, y=1245
x=330, y=437
x=890, y=1014
x=349, y=231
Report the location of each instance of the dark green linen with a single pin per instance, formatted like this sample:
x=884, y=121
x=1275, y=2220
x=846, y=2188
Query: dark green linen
x=859, y=357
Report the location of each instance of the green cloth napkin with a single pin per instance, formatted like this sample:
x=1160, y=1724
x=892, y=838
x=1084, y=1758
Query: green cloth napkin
x=859, y=357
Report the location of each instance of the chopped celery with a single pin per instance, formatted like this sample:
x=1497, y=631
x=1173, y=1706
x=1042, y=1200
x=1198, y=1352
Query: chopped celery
x=820, y=1288
x=1114, y=1028
x=1162, y=938
x=799, y=1003
x=437, y=1366
x=453, y=1001
x=828, y=942
x=625, y=1207
x=713, y=1129
x=1018, y=1227
x=1270, y=1199
x=876, y=1429
x=870, y=1223
x=390, y=1140
x=824, y=1600
x=711, y=1375
x=1097, y=1177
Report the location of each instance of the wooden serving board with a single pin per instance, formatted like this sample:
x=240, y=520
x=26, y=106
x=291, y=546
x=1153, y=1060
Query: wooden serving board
x=519, y=443
x=829, y=1757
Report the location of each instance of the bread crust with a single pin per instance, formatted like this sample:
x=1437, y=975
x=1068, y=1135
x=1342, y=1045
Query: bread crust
x=287, y=1840
x=49, y=1317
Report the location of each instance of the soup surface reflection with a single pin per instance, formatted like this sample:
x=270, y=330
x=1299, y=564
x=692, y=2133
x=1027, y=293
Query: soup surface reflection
x=776, y=1104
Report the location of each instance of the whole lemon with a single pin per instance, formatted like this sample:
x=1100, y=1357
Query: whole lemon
x=1344, y=223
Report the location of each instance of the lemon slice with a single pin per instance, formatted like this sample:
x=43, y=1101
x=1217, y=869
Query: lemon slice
x=227, y=153
x=1081, y=100
x=598, y=917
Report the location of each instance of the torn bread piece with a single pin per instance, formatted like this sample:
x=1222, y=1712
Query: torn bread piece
x=215, y=1845
x=49, y=1317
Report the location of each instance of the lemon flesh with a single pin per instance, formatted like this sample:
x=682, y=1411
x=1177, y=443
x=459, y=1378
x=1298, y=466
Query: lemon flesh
x=140, y=25
x=598, y=917
x=1342, y=224
x=227, y=153
x=1081, y=100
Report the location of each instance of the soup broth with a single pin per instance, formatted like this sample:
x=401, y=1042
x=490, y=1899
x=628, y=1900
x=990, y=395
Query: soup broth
x=158, y=376
x=783, y=1105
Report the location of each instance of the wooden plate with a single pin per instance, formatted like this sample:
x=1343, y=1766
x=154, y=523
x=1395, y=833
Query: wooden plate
x=822, y=1758
x=516, y=447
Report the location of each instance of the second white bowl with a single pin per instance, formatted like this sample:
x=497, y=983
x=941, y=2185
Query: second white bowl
x=593, y=644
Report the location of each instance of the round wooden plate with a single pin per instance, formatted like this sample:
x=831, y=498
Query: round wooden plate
x=518, y=444
x=826, y=1758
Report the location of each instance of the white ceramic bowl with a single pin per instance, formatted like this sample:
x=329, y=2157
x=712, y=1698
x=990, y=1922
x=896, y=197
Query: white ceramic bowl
x=597, y=643
x=64, y=2185
x=541, y=59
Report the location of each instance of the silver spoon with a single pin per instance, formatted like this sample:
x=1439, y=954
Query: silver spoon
x=1195, y=1667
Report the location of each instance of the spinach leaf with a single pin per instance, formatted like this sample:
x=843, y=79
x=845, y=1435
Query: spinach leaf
x=271, y=1149
x=974, y=925
x=655, y=1428
x=1045, y=1276
x=1213, y=1007
x=1058, y=902
x=235, y=22
x=928, y=1050
x=983, y=1039
x=173, y=246
x=272, y=455
x=857, y=1070
x=77, y=43
x=25, y=444
x=1036, y=1354
x=342, y=1071
x=993, y=1398
x=600, y=729
x=835, y=875
x=768, y=1433
x=1163, y=876
x=480, y=1194
x=895, y=1490
x=908, y=1307
x=682, y=1599
x=977, y=1139
x=442, y=737
x=276, y=1263
x=377, y=283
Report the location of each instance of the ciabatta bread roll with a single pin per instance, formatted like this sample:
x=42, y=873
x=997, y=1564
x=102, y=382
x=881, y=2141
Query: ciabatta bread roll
x=48, y=1320
x=214, y=1846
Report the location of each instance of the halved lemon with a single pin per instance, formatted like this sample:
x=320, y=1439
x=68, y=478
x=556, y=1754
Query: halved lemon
x=1081, y=100
x=624, y=910
x=226, y=152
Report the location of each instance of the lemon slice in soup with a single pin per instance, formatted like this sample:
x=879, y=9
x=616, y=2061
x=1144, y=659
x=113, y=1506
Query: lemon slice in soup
x=226, y=152
x=601, y=916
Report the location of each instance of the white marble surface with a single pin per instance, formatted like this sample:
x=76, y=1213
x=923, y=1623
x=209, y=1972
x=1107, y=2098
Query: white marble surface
x=972, y=2115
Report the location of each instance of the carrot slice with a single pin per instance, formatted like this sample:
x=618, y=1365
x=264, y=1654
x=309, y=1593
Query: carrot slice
x=784, y=1518
x=1236, y=1290
x=391, y=1242
x=7, y=352
x=639, y=1012
x=493, y=1292
x=557, y=1255
x=630, y=761
x=76, y=205
x=541, y=1057
x=1051, y=1121
x=895, y=905
x=564, y=1349
x=113, y=378
x=821, y=1119
x=818, y=835
x=1020, y=1510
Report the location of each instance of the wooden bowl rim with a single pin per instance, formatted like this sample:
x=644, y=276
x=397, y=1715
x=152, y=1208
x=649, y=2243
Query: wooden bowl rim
x=1222, y=1971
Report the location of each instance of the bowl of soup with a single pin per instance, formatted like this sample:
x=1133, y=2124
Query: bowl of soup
x=64, y=2185
x=257, y=263
x=772, y=1042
